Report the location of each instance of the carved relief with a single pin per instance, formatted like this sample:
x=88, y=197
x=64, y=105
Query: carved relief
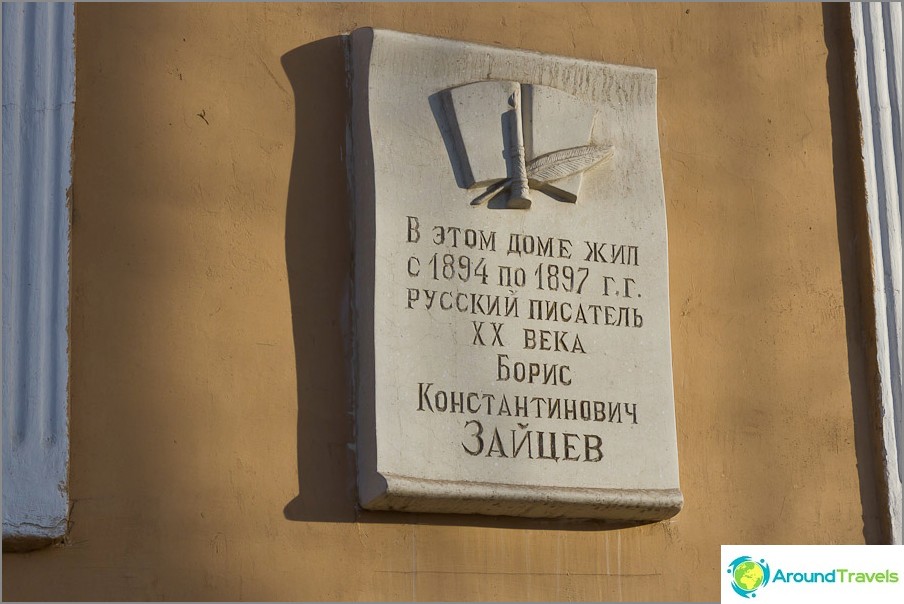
x=516, y=138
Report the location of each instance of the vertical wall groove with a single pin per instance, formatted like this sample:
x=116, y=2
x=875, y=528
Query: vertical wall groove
x=876, y=29
x=38, y=105
x=891, y=13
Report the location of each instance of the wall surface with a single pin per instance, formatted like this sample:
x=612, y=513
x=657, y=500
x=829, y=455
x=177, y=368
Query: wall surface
x=210, y=406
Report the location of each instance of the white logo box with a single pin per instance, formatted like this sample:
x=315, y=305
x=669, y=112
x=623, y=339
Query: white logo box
x=818, y=573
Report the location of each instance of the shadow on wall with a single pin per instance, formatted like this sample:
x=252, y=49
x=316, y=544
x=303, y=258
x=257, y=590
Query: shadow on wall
x=319, y=268
x=319, y=242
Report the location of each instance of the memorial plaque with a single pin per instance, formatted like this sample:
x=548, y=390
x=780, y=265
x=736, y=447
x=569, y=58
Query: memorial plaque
x=512, y=340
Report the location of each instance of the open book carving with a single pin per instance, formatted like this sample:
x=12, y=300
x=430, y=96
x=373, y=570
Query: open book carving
x=514, y=138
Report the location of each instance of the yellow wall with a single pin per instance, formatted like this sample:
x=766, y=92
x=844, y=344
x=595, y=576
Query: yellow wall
x=210, y=413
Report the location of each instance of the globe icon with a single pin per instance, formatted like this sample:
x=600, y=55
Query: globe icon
x=748, y=575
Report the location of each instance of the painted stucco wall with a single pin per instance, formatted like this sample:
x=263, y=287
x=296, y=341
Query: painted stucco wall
x=210, y=411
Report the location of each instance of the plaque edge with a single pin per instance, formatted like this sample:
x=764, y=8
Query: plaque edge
x=412, y=494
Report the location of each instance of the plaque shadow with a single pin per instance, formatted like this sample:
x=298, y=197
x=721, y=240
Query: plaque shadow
x=319, y=243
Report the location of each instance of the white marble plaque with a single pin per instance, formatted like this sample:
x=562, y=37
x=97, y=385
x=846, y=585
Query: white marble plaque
x=511, y=284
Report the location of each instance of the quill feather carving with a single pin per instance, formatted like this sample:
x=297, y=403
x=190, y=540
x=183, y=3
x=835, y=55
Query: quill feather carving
x=551, y=167
x=567, y=162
